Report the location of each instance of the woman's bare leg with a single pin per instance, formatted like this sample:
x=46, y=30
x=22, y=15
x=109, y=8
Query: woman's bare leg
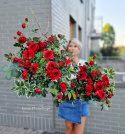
x=69, y=127
x=79, y=128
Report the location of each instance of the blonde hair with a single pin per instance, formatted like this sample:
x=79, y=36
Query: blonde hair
x=76, y=41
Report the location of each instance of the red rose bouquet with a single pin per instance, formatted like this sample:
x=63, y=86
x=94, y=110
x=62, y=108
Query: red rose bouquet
x=39, y=64
x=91, y=85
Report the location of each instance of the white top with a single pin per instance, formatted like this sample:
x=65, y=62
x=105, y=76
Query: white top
x=82, y=63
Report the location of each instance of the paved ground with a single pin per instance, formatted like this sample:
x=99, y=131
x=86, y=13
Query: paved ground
x=14, y=130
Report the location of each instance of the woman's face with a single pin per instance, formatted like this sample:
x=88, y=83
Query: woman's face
x=74, y=49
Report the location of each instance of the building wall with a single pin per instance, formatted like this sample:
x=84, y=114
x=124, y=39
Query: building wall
x=13, y=110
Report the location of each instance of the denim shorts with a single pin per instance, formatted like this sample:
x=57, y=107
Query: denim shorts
x=73, y=112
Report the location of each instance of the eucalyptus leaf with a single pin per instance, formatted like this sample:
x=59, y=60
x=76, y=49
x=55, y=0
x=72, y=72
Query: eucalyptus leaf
x=15, y=73
x=38, y=96
x=8, y=76
x=5, y=68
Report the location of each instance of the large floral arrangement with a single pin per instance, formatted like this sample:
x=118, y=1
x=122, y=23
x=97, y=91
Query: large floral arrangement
x=92, y=85
x=41, y=65
x=38, y=64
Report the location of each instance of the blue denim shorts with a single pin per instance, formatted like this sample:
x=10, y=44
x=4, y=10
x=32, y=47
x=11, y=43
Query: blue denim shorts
x=73, y=112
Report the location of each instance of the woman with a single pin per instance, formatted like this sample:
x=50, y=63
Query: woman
x=74, y=116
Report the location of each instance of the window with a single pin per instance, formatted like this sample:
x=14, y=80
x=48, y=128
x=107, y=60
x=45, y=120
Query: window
x=72, y=28
x=79, y=33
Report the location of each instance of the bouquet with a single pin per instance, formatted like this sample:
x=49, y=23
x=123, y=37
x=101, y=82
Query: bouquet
x=40, y=65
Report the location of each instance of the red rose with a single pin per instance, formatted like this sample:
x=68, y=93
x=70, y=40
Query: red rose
x=21, y=65
x=20, y=60
x=99, y=86
x=22, y=39
x=54, y=74
x=109, y=96
x=105, y=78
x=94, y=57
x=26, y=19
x=72, y=85
x=63, y=85
x=28, y=54
x=33, y=47
x=23, y=25
x=42, y=45
x=9, y=57
x=68, y=61
x=101, y=94
x=34, y=68
x=82, y=75
x=67, y=49
x=24, y=74
x=14, y=37
x=59, y=96
x=107, y=83
x=50, y=39
x=19, y=33
x=89, y=88
x=15, y=59
x=88, y=94
x=60, y=63
x=50, y=65
x=91, y=63
x=59, y=35
x=90, y=82
x=83, y=67
x=28, y=43
x=26, y=64
x=61, y=51
x=63, y=90
x=38, y=91
x=48, y=54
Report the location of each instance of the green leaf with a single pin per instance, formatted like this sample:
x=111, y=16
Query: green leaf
x=6, y=55
x=18, y=88
x=17, y=45
x=12, y=66
x=51, y=84
x=69, y=95
x=27, y=85
x=105, y=70
x=90, y=58
x=15, y=73
x=54, y=91
x=74, y=96
x=16, y=83
x=5, y=68
x=13, y=89
x=21, y=83
x=8, y=76
x=38, y=96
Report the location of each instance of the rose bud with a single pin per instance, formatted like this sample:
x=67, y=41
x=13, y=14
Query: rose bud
x=14, y=37
x=91, y=63
x=67, y=49
x=59, y=35
x=19, y=33
x=107, y=101
x=15, y=59
x=20, y=60
x=88, y=94
x=9, y=57
x=72, y=85
x=59, y=96
x=26, y=19
x=21, y=65
x=109, y=96
x=109, y=105
x=94, y=57
x=23, y=25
